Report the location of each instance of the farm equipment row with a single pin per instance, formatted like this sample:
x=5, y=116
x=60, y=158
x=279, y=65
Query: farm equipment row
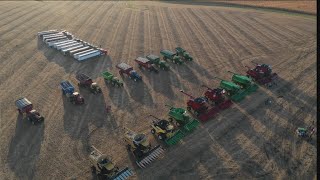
x=66, y=43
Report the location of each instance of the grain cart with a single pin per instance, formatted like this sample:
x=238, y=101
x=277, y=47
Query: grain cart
x=262, y=74
x=103, y=167
x=25, y=106
x=110, y=78
x=68, y=90
x=200, y=108
x=145, y=63
x=160, y=63
x=166, y=54
x=141, y=149
x=234, y=92
x=166, y=131
x=186, y=123
x=184, y=54
x=86, y=81
x=245, y=82
x=128, y=70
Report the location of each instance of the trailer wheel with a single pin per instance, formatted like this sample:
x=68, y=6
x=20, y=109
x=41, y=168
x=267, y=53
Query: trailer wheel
x=189, y=108
x=153, y=131
x=93, y=170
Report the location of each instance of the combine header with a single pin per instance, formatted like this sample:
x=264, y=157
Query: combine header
x=184, y=54
x=166, y=131
x=234, y=92
x=140, y=147
x=182, y=119
x=200, y=107
x=128, y=70
x=103, y=167
x=262, y=74
x=25, y=106
x=245, y=82
x=110, y=78
x=86, y=81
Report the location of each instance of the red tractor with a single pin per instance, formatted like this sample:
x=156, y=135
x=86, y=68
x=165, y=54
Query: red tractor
x=262, y=74
x=196, y=105
x=25, y=106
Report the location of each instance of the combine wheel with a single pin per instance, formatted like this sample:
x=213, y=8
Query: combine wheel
x=189, y=108
x=178, y=124
x=153, y=131
x=93, y=170
x=170, y=119
x=161, y=136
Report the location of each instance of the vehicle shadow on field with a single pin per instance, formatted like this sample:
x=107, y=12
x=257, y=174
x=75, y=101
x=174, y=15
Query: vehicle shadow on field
x=202, y=71
x=78, y=118
x=161, y=82
x=24, y=148
x=139, y=91
x=186, y=73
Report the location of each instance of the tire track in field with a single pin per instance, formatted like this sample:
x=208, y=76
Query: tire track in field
x=274, y=32
x=18, y=47
x=156, y=35
x=132, y=37
x=244, y=51
x=166, y=35
x=262, y=42
x=12, y=11
x=148, y=38
x=260, y=46
x=271, y=37
x=197, y=39
x=28, y=57
x=22, y=44
x=220, y=58
x=141, y=35
x=24, y=18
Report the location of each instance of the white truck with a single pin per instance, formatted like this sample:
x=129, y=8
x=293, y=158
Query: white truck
x=89, y=55
x=40, y=34
x=58, y=42
x=63, y=44
x=51, y=36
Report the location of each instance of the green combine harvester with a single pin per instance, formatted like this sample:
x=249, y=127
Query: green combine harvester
x=245, y=82
x=166, y=131
x=186, y=123
x=234, y=91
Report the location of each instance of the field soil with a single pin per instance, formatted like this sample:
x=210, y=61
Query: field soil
x=251, y=140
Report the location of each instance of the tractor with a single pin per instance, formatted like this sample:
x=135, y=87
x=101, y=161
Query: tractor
x=68, y=90
x=103, y=167
x=140, y=147
x=183, y=53
x=196, y=105
x=86, y=81
x=182, y=120
x=245, y=82
x=25, y=106
x=146, y=63
x=262, y=74
x=128, y=70
x=166, y=54
x=110, y=78
x=166, y=131
x=233, y=91
x=160, y=63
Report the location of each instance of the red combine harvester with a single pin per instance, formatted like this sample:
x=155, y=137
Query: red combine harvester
x=25, y=106
x=200, y=107
x=145, y=63
x=262, y=74
x=216, y=96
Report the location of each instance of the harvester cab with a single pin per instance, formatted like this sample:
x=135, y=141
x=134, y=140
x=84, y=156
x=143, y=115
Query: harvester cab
x=262, y=74
x=103, y=166
x=198, y=105
x=139, y=145
x=214, y=95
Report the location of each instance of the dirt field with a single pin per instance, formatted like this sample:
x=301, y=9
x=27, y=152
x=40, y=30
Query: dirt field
x=249, y=141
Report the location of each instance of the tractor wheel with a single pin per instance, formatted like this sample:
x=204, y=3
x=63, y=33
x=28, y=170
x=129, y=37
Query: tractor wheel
x=32, y=122
x=170, y=119
x=112, y=83
x=29, y=119
x=153, y=131
x=135, y=79
x=174, y=61
x=189, y=108
x=161, y=136
x=178, y=124
x=196, y=113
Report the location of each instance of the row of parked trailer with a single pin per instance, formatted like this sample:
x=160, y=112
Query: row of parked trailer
x=65, y=42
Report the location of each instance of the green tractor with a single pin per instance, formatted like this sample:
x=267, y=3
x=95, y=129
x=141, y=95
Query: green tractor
x=166, y=54
x=183, y=53
x=234, y=91
x=110, y=78
x=166, y=131
x=245, y=82
x=160, y=63
x=182, y=119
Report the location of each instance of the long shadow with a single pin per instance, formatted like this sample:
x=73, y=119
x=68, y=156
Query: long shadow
x=186, y=73
x=139, y=91
x=161, y=82
x=24, y=148
x=202, y=71
x=119, y=97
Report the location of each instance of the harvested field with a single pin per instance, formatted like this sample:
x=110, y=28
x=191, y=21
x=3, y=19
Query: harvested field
x=249, y=141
